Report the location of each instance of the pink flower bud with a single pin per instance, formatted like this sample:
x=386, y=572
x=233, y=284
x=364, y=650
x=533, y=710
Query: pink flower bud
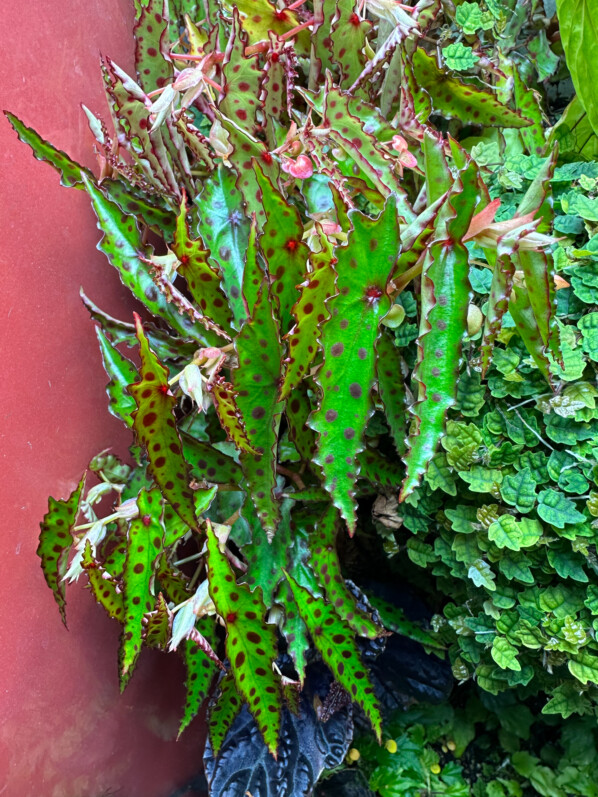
x=302, y=168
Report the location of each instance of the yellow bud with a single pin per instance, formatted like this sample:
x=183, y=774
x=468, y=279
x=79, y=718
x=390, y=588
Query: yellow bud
x=391, y=746
x=435, y=769
x=444, y=748
x=451, y=746
x=475, y=319
x=353, y=754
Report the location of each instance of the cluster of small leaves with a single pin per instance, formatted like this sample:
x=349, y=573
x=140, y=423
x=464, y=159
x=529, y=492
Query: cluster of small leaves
x=344, y=272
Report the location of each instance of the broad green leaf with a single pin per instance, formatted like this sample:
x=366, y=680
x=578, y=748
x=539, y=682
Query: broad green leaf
x=566, y=700
x=281, y=243
x=151, y=31
x=253, y=276
x=266, y=559
x=452, y=98
x=459, y=57
x=444, y=300
x=482, y=480
x=310, y=313
x=335, y=641
x=122, y=374
x=506, y=532
x=224, y=711
x=155, y=426
x=256, y=380
x=481, y=574
x=557, y=510
x=584, y=667
x=391, y=388
x=519, y=490
x=202, y=280
x=578, y=27
x=471, y=394
x=200, y=671
x=516, y=567
x=146, y=539
x=378, y=470
x=588, y=325
x=440, y=475
x=251, y=645
x=225, y=231
x=55, y=542
x=470, y=18
x=71, y=173
x=104, y=589
x=123, y=246
x=567, y=563
x=348, y=370
x=325, y=563
x=505, y=654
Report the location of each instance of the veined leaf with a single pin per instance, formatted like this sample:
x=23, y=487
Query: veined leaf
x=334, y=640
x=146, y=539
x=281, y=243
x=123, y=246
x=102, y=586
x=155, y=426
x=225, y=230
x=348, y=370
x=325, y=563
x=256, y=380
x=452, y=98
x=151, y=32
x=251, y=644
x=223, y=712
x=200, y=671
x=445, y=297
x=71, y=173
x=122, y=374
x=202, y=280
x=310, y=312
x=578, y=27
x=55, y=542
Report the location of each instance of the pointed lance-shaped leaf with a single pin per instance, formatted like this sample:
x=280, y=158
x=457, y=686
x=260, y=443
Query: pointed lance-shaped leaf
x=229, y=414
x=158, y=622
x=347, y=374
x=123, y=246
x=200, y=671
x=282, y=245
x=526, y=324
x=391, y=388
x=256, y=380
x=255, y=270
x=103, y=587
x=146, y=538
x=241, y=75
x=251, y=644
x=122, y=374
x=155, y=426
x=223, y=711
x=225, y=231
x=208, y=463
x=55, y=542
x=335, y=641
x=310, y=313
x=498, y=304
x=298, y=408
x=444, y=300
x=71, y=173
x=325, y=563
x=202, y=280
x=151, y=39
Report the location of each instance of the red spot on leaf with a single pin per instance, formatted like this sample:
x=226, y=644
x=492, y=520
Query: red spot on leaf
x=266, y=158
x=354, y=20
x=146, y=520
x=163, y=389
x=231, y=617
x=291, y=245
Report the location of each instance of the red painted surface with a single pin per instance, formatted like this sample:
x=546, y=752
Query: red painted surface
x=64, y=729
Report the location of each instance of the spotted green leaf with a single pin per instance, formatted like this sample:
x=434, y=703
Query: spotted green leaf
x=229, y=414
x=146, y=539
x=254, y=272
x=202, y=280
x=251, y=645
x=208, y=463
x=335, y=641
x=258, y=17
x=155, y=426
x=310, y=313
x=455, y=99
x=281, y=243
x=347, y=373
x=325, y=563
x=122, y=374
x=444, y=300
x=223, y=712
x=527, y=101
x=347, y=42
x=103, y=587
x=498, y=304
x=225, y=231
x=133, y=202
x=151, y=31
x=298, y=409
x=200, y=671
x=157, y=629
x=55, y=542
x=123, y=246
x=241, y=75
x=256, y=381
x=71, y=173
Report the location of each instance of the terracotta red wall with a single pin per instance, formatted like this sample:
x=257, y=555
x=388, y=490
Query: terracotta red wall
x=64, y=729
